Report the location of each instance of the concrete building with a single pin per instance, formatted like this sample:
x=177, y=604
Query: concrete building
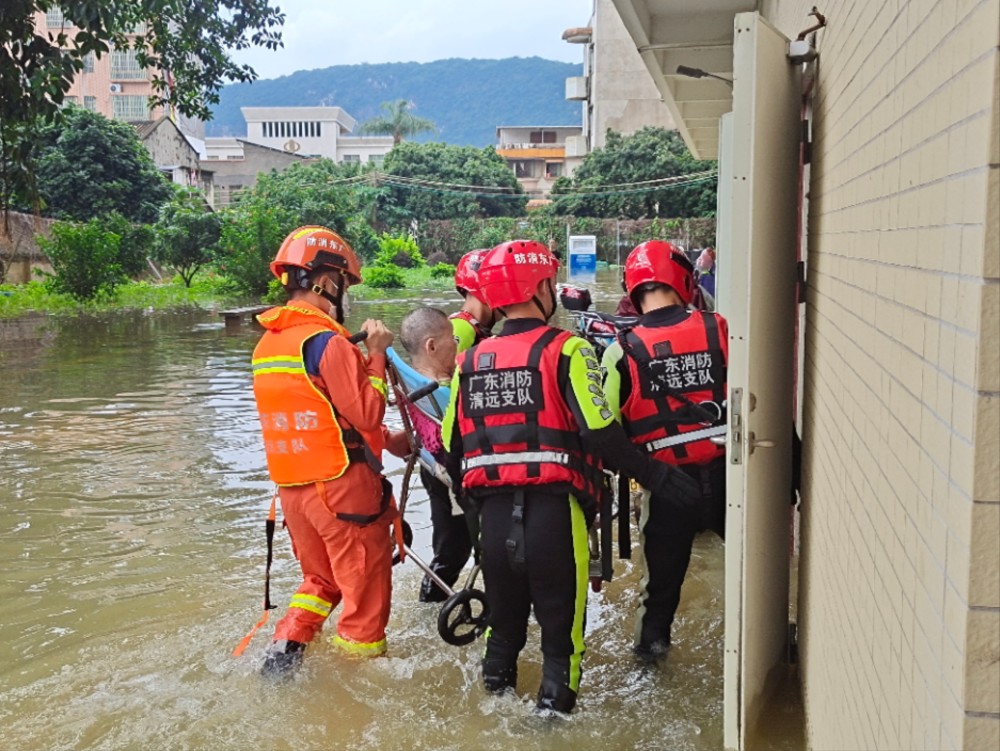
x=175, y=155
x=615, y=89
x=894, y=206
x=113, y=84
x=536, y=153
x=315, y=132
x=235, y=164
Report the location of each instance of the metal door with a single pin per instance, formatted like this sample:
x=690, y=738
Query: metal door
x=759, y=220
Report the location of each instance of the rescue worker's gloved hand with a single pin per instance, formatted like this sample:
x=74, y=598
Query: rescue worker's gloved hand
x=674, y=485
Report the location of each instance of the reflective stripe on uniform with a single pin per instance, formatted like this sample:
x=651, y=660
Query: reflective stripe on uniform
x=278, y=364
x=379, y=385
x=362, y=649
x=516, y=457
x=689, y=437
x=311, y=603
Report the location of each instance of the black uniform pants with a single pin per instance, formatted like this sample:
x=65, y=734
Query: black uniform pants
x=449, y=537
x=666, y=537
x=552, y=581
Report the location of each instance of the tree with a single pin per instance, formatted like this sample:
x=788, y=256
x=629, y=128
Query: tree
x=254, y=228
x=648, y=154
x=397, y=121
x=87, y=165
x=434, y=175
x=187, y=233
x=84, y=258
x=187, y=45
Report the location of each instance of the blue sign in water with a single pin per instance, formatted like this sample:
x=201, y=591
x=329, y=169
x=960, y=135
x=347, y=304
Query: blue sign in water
x=583, y=264
x=582, y=261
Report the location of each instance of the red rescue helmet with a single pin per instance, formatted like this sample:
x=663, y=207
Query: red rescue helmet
x=659, y=261
x=467, y=273
x=510, y=273
x=310, y=248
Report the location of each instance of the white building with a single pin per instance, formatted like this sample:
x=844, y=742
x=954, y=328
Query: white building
x=313, y=131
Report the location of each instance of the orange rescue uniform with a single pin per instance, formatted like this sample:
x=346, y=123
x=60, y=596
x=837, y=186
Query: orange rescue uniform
x=320, y=402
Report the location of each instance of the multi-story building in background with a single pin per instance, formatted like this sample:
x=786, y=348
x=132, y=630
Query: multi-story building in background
x=536, y=153
x=114, y=84
x=314, y=132
x=615, y=89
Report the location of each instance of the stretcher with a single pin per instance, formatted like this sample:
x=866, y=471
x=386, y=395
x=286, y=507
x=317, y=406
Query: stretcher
x=422, y=403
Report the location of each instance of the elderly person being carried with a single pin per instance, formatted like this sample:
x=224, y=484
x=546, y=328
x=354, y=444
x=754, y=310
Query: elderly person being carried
x=428, y=337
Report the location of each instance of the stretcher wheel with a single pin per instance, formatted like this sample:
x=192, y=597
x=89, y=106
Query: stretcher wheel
x=463, y=617
x=407, y=540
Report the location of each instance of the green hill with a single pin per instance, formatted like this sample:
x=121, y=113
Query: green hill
x=467, y=99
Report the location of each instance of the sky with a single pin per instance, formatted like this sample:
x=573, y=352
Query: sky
x=321, y=33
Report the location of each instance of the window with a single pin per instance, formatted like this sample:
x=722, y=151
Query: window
x=90, y=103
x=525, y=168
x=88, y=62
x=542, y=136
x=235, y=157
x=553, y=169
x=351, y=159
x=68, y=100
x=130, y=107
x=377, y=159
x=54, y=18
x=124, y=66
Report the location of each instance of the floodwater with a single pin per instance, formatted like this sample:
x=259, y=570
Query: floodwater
x=133, y=492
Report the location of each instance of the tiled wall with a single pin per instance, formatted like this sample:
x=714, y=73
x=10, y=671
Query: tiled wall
x=899, y=607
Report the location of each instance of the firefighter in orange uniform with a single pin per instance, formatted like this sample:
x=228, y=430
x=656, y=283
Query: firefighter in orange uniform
x=321, y=403
x=666, y=379
x=527, y=429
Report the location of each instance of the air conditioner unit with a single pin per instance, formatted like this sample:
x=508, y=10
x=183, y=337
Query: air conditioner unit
x=115, y=88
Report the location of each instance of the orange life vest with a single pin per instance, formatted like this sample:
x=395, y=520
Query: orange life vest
x=672, y=369
x=516, y=427
x=304, y=439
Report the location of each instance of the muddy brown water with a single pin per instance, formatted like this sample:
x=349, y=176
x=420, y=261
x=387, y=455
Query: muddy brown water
x=132, y=497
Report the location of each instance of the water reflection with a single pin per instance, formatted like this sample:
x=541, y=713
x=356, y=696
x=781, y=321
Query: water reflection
x=132, y=500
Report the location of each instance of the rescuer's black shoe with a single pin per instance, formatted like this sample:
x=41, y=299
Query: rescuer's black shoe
x=556, y=697
x=282, y=659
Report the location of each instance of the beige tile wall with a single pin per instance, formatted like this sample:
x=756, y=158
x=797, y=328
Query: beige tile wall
x=900, y=621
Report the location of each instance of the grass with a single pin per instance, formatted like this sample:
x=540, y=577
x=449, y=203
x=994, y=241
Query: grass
x=37, y=297
x=413, y=279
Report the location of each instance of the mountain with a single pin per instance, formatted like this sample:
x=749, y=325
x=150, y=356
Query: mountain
x=466, y=99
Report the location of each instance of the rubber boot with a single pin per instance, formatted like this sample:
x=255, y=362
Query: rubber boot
x=651, y=652
x=499, y=674
x=555, y=696
x=282, y=659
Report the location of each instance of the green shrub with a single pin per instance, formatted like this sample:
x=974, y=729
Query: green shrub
x=442, y=271
x=85, y=259
x=383, y=277
x=399, y=251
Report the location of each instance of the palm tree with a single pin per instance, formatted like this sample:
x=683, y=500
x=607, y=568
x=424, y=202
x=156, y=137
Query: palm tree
x=396, y=121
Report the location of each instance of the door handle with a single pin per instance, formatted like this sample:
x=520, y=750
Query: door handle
x=753, y=443
x=718, y=440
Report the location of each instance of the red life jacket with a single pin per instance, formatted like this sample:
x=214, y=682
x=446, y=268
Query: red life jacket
x=672, y=369
x=516, y=427
x=304, y=439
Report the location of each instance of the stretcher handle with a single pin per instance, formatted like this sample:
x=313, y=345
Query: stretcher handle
x=358, y=337
x=420, y=393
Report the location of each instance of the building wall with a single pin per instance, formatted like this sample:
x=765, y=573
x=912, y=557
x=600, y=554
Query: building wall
x=231, y=175
x=167, y=146
x=623, y=95
x=899, y=604
x=98, y=89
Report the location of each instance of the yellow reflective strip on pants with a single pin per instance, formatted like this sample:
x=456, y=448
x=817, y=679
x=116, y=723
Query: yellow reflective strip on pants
x=362, y=649
x=379, y=384
x=311, y=603
x=581, y=560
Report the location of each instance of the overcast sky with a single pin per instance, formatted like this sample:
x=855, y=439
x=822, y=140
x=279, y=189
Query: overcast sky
x=320, y=33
